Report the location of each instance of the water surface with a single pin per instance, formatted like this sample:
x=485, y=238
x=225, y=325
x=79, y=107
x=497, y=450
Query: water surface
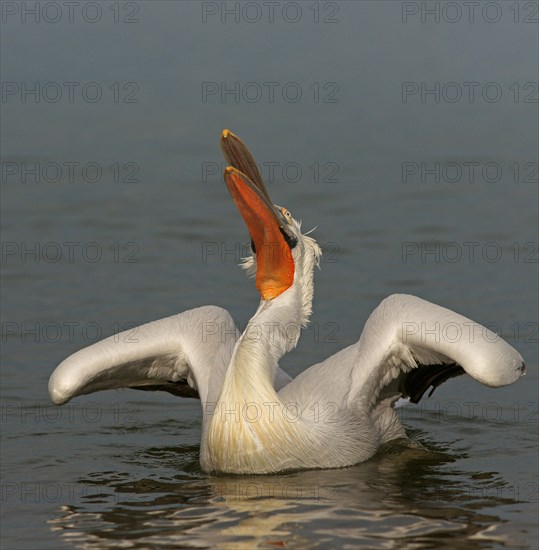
x=120, y=469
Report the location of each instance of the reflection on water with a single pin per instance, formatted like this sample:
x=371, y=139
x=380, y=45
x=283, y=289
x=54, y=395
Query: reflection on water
x=405, y=497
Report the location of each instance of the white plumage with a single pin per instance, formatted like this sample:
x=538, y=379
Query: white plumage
x=256, y=419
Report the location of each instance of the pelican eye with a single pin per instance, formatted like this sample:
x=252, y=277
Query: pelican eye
x=286, y=214
x=290, y=239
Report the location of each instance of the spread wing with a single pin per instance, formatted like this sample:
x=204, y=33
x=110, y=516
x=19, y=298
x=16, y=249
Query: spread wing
x=407, y=346
x=185, y=354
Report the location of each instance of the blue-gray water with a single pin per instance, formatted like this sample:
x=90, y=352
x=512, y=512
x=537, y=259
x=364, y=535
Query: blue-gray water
x=120, y=469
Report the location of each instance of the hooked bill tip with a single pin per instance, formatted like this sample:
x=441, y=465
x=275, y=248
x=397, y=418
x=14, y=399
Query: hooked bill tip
x=225, y=133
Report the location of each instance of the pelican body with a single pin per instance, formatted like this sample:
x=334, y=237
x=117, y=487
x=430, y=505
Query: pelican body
x=256, y=419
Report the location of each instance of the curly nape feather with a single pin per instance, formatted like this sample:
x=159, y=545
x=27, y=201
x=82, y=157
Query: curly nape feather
x=305, y=272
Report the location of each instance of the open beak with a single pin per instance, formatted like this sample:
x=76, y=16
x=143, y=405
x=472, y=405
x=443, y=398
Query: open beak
x=238, y=156
x=275, y=265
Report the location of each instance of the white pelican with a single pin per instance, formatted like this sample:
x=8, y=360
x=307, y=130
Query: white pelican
x=256, y=418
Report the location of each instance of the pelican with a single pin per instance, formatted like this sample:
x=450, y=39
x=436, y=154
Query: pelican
x=256, y=419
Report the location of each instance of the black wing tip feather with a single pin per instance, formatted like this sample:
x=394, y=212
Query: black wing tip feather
x=180, y=389
x=419, y=379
